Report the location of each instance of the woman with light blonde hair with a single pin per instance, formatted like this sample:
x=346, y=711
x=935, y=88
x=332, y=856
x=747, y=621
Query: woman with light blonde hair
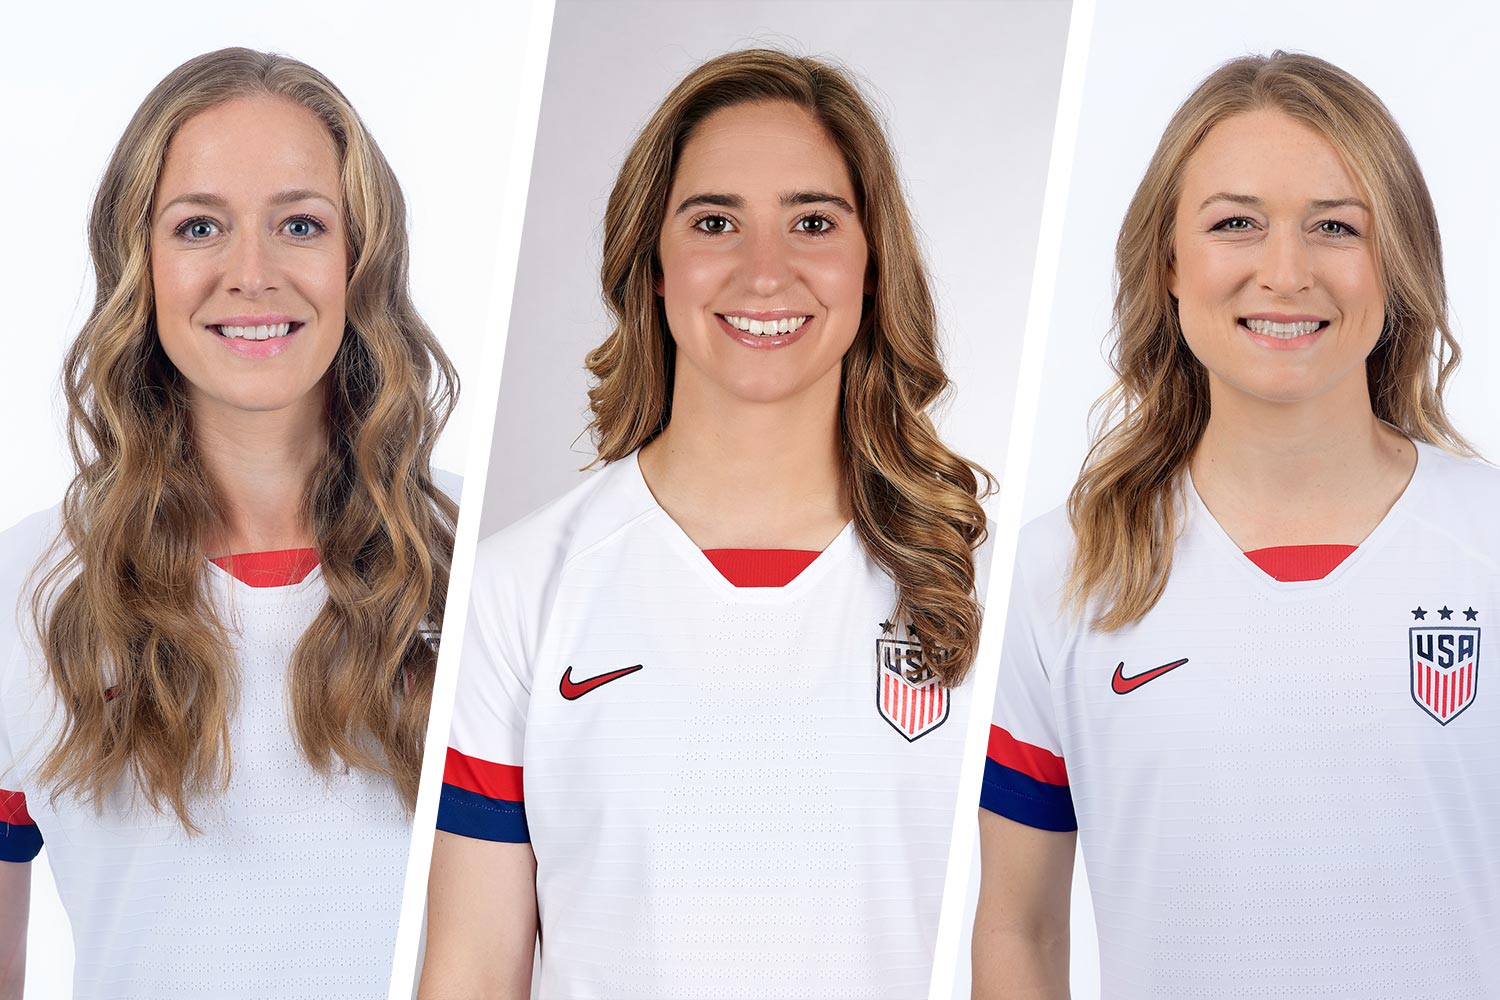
x=1242, y=663
x=719, y=776
x=217, y=674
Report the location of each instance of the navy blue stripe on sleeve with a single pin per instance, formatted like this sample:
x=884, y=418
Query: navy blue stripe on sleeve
x=470, y=814
x=19, y=842
x=1026, y=800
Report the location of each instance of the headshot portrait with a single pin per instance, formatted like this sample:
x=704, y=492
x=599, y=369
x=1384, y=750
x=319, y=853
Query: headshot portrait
x=221, y=629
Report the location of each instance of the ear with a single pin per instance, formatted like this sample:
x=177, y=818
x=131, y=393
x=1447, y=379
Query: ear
x=1172, y=276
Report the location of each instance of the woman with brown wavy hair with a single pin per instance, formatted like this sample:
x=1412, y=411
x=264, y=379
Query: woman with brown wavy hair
x=724, y=793
x=1241, y=665
x=216, y=694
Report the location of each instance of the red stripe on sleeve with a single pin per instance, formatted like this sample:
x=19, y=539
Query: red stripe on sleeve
x=493, y=781
x=1034, y=762
x=13, y=809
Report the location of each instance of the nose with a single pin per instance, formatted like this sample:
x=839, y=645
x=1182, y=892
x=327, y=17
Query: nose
x=1286, y=263
x=248, y=268
x=767, y=265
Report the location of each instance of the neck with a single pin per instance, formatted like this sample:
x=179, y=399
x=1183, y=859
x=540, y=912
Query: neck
x=740, y=474
x=1323, y=471
x=260, y=465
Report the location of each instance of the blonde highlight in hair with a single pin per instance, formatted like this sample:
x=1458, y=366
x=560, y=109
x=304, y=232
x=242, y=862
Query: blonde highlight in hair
x=1125, y=507
x=915, y=501
x=136, y=650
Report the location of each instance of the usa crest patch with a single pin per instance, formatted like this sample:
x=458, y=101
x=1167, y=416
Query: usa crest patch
x=908, y=692
x=1445, y=668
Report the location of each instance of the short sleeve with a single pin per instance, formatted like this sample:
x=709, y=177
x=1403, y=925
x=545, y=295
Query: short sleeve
x=1025, y=777
x=483, y=792
x=20, y=840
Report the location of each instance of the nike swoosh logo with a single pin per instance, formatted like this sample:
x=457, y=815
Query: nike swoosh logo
x=571, y=690
x=1125, y=685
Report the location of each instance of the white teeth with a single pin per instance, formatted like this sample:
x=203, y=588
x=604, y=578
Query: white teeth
x=768, y=327
x=256, y=332
x=1282, y=331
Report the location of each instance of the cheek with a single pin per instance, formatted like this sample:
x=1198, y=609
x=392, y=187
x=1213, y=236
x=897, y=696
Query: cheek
x=688, y=279
x=840, y=279
x=327, y=287
x=177, y=286
x=1360, y=290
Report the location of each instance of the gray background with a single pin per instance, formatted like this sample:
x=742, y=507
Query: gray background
x=970, y=91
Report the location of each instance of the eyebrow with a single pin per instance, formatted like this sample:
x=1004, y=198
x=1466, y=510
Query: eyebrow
x=787, y=201
x=1320, y=205
x=215, y=201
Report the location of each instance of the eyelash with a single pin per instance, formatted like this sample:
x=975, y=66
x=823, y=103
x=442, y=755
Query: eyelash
x=182, y=230
x=698, y=222
x=829, y=225
x=1222, y=226
x=1348, y=230
x=315, y=223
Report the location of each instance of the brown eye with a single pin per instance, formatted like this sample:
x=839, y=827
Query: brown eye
x=714, y=225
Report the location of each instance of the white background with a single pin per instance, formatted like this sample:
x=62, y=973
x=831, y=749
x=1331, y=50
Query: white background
x=1431, y=64
x=970, y=91
x=435, y=83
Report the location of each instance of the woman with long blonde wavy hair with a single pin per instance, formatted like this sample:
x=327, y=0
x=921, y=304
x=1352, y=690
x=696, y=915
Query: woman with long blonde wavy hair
x=1241, y=664
x=216, y=691
x=671, y=739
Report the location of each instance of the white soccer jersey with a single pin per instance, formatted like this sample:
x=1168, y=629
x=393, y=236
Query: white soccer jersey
x=729, y=792
x=1281, y=789
x=293, y=887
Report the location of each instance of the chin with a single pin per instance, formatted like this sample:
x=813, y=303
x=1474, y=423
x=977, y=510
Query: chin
x=253, y=399
x=764, y=390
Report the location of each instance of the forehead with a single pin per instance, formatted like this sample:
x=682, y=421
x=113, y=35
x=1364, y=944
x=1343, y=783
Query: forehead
x=1269, y=155
x=762, y=147
x=251, y=147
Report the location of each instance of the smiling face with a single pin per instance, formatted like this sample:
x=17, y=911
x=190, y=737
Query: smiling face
x=1275, y=274
x=763, y=257
x=248, y=257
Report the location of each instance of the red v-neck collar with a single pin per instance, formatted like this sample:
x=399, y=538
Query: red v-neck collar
x=281, y=568
x=1299, y=563
x=760, y=567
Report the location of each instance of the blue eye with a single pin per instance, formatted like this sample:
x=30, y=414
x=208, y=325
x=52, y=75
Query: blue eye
x=198, y=229
x=1332, y=227
x=1236, y=224
x=303, y=226
x=714, y=225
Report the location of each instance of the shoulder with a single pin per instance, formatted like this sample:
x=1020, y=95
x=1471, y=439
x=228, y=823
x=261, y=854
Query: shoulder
x=23, y=547
x=537, y=548
x=1448, y=471
x=1457, y=495
x=1045, y=547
